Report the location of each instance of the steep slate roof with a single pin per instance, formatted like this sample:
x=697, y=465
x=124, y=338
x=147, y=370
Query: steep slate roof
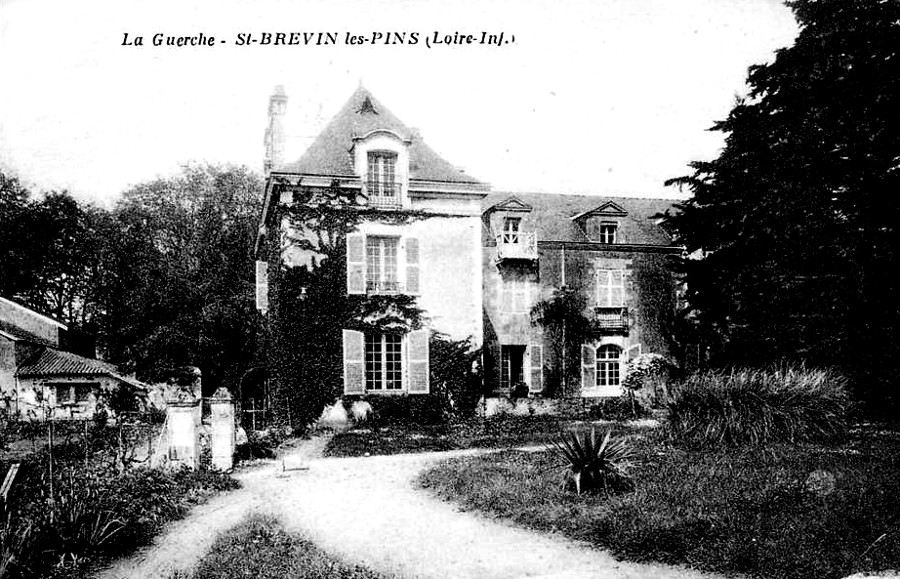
x=551, y=215
x=330, y=154
x=52, y=362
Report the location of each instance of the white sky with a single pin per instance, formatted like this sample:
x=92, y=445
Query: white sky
x=596, y=96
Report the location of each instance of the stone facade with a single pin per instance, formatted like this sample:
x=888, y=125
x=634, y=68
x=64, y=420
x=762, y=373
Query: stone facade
x=621, y=270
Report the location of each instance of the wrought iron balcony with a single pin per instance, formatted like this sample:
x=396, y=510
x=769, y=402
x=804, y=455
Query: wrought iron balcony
x=382, y=287
x=517, y=245
x=382, y=194
x=612, y=320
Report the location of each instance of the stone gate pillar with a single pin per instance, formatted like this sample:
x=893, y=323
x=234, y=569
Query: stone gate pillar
x=222, y=430
x=183, y=424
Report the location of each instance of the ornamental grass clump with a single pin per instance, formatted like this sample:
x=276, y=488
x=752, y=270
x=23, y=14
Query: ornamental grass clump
x=594, y=465
x=752, y=407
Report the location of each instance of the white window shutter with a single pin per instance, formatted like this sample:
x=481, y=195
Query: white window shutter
x=537, y=368
x=262, y=286
x=588, y=366
x=617, y=289
x=356, y=263
x=417, y=357
x=601, y=285
x=354, y=363
x=632, y=352
x=412, y=265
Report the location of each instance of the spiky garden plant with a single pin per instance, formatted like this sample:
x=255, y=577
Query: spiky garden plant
x=594, y=464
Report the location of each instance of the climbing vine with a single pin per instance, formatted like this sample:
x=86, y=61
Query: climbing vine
x=566, y=328
x=311, y=307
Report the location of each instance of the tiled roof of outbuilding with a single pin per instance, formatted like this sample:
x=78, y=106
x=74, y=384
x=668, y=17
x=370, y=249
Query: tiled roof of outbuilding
x=330, y=153
x=52, y=362
x=551, y=214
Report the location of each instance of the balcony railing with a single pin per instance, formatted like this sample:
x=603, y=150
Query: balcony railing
x=517, y=245
x=381, y=287
x=611, y=319
x=382, y=194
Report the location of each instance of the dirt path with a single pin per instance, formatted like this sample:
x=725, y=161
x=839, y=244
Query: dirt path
x=367, y=511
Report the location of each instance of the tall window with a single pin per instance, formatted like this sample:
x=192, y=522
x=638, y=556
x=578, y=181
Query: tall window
x=511, y=229
x=610, y=288
x=511, y=366
x=381, y=177
x=381, y=264
x=608, y=370
x=384, y=362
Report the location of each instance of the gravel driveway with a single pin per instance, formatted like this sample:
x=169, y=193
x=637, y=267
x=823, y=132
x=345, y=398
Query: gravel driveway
x=367, y=511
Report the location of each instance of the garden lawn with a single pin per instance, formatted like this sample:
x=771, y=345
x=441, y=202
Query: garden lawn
x=778, y=512
x=260, y=548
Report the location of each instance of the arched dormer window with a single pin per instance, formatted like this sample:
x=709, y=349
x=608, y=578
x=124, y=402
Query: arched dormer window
x=382, y=173
x=382, y=185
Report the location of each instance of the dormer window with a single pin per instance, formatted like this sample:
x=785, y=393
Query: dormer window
x=601, y=231
x=607, y=232
x=511, y=227
x=381, y=180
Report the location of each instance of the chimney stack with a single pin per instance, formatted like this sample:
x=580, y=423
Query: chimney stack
x=274, y=140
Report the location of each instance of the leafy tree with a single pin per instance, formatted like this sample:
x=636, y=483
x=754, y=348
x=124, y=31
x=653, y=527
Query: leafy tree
x=181, y=286
x=14, y=236
x=792, y=229
x=51, y=252
x=567, y=328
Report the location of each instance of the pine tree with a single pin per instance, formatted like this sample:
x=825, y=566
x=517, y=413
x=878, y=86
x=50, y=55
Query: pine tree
x=792, y=229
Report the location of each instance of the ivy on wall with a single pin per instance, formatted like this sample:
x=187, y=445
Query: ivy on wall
x=566, y=328
x=310, y=307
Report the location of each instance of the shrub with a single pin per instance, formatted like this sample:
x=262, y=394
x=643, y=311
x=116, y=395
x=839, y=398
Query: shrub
x=259, y=445
x=741, y=407
x=594, y=465
x=94, y=511
x=405, y=409
x=648, y=365
x=624, y=407
x=456, y=374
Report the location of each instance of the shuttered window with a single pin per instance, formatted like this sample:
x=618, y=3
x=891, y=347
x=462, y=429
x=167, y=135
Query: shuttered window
x=376, y=264
x=608, y=365
x=610, y=288
x=381, y=264
x=384, y=362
